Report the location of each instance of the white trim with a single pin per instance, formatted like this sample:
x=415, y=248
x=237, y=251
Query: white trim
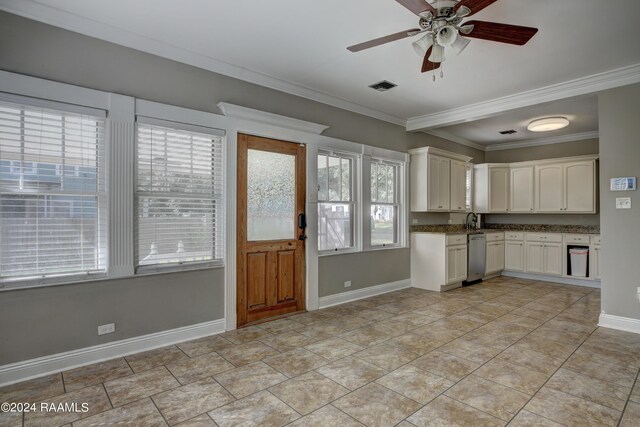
x=60, y=18
x=620, y=323
x=257, y=116
x=439, y=152
x=28, y=369
x=554, y=279
x=481, y=110
x=344, y=297
x=543, y=141
x=455, y=138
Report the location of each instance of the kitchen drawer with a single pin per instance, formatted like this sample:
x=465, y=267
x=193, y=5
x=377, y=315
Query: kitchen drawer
x=456, y=239
x=494, y=237
x=596, y=240
x=544, y=237
x=577, y=239
x=513, y=235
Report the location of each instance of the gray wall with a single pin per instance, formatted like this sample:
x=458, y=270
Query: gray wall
x=551, y=151
x=41, y=321
x=619, y=111
x=49, y=320
x=364, y=269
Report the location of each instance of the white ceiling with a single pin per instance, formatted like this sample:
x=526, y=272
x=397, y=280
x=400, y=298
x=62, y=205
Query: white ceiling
x=300, y=46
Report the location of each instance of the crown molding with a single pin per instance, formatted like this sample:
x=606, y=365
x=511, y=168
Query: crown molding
x=440, y=152
x=582, y=86
x=457, y=139
x=59, y=18
x=543, y=141
x=244, y=113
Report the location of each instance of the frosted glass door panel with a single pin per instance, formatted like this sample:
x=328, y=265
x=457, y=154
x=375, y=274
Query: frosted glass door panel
x=271, y=196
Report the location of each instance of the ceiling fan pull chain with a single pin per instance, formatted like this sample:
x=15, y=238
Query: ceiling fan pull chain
x=441, y=70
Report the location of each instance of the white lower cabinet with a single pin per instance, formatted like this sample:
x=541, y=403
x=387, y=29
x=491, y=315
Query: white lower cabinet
x=456, y=264
x=543, y=254
x=438, y=261
x=495, y=257
x=514, y=255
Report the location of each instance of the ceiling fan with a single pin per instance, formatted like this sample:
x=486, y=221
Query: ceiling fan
x=441, y=26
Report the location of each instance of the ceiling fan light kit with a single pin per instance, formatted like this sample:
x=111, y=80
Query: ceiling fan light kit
x=548, y=124
x=441, y=23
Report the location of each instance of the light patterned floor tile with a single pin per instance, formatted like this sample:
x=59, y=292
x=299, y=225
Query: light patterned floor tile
x=444, y=411
x=84, y=376
x=260, y=409
x=137, y=386
x=308, y=392
x=416, y=384
x=296, y=362
x=248, y=379
x=351, y=372
x=142, y=413
x=199, y=367
x=325, y=417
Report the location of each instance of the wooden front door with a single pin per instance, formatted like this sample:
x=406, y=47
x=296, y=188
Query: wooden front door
x=271, y=227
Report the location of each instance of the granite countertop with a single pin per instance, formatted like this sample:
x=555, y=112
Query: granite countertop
x=531, y=228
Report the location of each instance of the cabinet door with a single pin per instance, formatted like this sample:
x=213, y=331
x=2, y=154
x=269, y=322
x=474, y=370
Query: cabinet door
x=499, y=256
x=579, y=186
x=548, y=188
x=514, y=256
x=438, y=183
x=553, y=258
x=452, y=264
x=458, y=185
x=534, y=253
x=461, y=260
x=498, y=189
x=594, y=262
x=491, y=260
x=521, y=189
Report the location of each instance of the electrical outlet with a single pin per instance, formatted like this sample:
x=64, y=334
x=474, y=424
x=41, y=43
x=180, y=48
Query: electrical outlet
x=415, y=221
x=450, y=222
x=106, y=329
x=638, y=294
x=347, y=284
x=623, y=202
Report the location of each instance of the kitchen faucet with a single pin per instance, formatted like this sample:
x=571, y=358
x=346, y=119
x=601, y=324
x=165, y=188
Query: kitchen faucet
x=474, y=221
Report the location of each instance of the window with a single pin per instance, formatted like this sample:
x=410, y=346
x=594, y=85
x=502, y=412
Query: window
x=469, y=188
x=51, y=224
x=336, y=201
x=179, y=195
x=385, y=209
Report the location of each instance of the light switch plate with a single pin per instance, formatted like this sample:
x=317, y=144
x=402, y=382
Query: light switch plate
x=623, y=202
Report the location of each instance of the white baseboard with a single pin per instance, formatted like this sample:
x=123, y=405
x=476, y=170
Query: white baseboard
x=33, y=368
x=554, y=279
x=344, y=297
x=627, y=324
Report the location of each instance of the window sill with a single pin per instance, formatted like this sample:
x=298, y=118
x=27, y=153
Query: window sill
x=339, y=252
x=19, y=285
x=148, y=270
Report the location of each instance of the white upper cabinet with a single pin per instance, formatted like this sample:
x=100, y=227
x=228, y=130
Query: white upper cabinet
x=521, y=190
x=438, y=180
x=579, y=187
x=458, y=186
x=438, y=183
x=491, y=188
x=567, y=187
x=549, y=191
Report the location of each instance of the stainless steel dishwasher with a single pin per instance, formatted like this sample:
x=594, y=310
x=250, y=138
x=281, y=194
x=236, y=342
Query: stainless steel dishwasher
x=476, y=246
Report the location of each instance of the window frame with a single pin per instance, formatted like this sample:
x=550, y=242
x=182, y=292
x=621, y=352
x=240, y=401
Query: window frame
x=398, y=203
x=354, y=202
x=221, y=199
x=101, y=195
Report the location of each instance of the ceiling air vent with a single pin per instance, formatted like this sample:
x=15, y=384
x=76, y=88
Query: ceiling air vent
x=508, y=132
x=383, y=86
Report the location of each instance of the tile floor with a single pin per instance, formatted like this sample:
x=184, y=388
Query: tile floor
x=507, y=351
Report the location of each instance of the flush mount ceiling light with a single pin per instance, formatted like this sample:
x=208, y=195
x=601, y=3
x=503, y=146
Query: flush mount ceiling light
x=547, y=124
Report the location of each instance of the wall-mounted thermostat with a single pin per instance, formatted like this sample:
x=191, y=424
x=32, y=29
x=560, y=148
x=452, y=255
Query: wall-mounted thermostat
x=623, y=184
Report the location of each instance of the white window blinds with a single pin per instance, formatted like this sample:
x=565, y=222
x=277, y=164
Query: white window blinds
x=52, y=191
x=179, y=197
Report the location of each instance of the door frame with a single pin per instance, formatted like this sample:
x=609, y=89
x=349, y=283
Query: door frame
x=311, y=140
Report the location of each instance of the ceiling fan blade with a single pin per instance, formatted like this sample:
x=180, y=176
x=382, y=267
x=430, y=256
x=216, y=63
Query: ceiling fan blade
x=475, y=5
x=503, y=33
x=417, y=6
x=383, y=40
x=428, y=65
